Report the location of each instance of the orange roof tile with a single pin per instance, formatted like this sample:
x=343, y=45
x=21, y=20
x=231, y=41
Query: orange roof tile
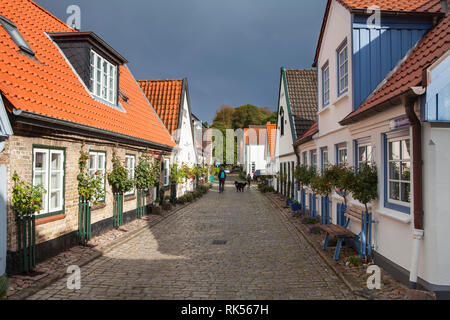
x=416, y=6
x=271, y=136
x=165, y=96
x=409, y=74
x=258, y=133
x=51, y=88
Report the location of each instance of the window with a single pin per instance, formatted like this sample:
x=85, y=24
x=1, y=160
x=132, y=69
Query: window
x=103, y=78
x=305, y=159
x=324, y=160
x=342, y=55
x=15, y=35
x=365, y=155
x=97, y=164
x=341, y=154
x=48, y=171
x=282, y=121
x=130, y=164
x=313, y=157
x=166, y=173
x=399, y=171
x=325, y=85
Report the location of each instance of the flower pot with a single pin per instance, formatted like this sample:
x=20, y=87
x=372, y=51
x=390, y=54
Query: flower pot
x=295, y=207
x=288, y=202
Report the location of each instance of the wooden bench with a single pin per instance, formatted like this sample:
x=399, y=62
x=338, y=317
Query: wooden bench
x=342, y=232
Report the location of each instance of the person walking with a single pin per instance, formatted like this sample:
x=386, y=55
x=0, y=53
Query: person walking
x=222, y=178
x=249, y=180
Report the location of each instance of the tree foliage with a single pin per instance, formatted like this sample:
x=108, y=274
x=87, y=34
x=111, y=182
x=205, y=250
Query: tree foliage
x=118, y=177
x=144, y=177
x=90, y=186
x=365, y=187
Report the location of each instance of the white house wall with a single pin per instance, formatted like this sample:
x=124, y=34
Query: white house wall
x=187, y=152
x=337, y=30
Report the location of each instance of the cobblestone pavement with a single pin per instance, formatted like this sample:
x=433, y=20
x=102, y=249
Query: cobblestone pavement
x=263, y=258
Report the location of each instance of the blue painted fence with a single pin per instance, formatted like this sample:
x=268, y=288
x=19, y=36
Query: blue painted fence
x=325, y=208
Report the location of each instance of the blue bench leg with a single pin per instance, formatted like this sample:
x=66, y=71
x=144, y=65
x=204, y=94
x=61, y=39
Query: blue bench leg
x=338, y=249
x=325, y=244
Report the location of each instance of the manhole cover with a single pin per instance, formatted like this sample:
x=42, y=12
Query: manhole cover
x=219, y=242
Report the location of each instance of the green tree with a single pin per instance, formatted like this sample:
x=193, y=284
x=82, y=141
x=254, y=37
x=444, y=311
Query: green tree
x=247, y=115
x=224, y=116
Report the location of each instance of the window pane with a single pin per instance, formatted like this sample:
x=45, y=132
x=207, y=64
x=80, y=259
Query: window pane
x=369, y=154
x=99, y=63
x=394, y=190
x=55, y=181
x=406, y=192
x=406, y=171
x=92, y=158
x=55, y=200
x=101, y=161
x=40, y=162
x=406, y=150
x=56, y=161
x=39, y=178
x=394, y=171
x=394, y=150
x=362, y=157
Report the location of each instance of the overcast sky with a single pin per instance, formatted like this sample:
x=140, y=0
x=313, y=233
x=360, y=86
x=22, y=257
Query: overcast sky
x=231, y=51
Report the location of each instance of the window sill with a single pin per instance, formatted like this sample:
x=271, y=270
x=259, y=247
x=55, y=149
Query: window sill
x=341, y=98
x=49, y=219
x=98, y=207
x=402, y=217
x=129, y=198
x=325, y=109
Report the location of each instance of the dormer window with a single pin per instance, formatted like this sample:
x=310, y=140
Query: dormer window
x=103, y=78
x=16, y=36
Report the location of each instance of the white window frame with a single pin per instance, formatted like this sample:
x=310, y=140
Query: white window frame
x=339, y=150
x=400, y=181
x=107, y=84
x=130, y=159
x=166, y=172
x=342, y=65
x=96, y=167
x=47, y=181
x=325, y=85
x=368, y=161
x=313, y=154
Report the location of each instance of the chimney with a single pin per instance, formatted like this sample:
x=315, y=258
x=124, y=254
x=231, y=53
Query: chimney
x=444, y=6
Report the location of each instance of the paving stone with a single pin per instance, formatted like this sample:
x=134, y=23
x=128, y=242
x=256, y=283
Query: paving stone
x=176, y=259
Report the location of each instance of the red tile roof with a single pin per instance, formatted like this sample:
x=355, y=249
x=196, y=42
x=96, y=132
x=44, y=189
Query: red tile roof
x=307, y=136
x=165, y=96
x=409, y=74
x=271, y=137
x=394, y=6
x=51, y=88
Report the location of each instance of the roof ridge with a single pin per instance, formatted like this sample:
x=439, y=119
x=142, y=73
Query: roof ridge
x=49, y=14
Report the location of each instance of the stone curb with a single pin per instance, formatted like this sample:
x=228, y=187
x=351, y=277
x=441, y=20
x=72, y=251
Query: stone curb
x=48, y=280
x=349, y=281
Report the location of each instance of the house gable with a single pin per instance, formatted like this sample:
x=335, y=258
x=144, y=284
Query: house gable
x=185, y=132
x=284, y=142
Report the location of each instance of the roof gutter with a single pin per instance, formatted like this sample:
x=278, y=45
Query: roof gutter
x=38, y=120
x=409, y=100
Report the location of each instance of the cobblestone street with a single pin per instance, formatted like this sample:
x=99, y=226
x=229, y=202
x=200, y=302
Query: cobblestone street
x=263, y=258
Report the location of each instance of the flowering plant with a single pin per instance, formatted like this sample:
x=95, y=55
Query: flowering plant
x=143, y=175
x=118, y=177
x=27, y=199
x=90, y=186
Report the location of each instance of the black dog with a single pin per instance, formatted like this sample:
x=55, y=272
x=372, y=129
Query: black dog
x=240, y=186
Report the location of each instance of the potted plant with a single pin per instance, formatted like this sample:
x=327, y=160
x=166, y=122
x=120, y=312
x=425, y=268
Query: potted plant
x=295, y=206
x=120, y=183
x=26, y=202
x=91, y=190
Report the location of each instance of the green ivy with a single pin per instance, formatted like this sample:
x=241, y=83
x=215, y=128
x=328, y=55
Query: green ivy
x=90, y=186
x=144, y=176
x=118, y=177
x=26, y=199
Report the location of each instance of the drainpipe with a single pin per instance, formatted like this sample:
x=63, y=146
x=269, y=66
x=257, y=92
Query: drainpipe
x=418, y=233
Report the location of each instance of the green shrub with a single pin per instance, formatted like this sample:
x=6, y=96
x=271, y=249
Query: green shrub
x=308, y=220
x=264, y=188
x=181, y=200
x=166, y=206
x=189, y=197
x=4, y=283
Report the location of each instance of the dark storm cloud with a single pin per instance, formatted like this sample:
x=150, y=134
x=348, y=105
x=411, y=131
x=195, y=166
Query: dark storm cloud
x=231, y=51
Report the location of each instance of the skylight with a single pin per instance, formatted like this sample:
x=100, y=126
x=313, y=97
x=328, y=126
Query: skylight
x=11, y=28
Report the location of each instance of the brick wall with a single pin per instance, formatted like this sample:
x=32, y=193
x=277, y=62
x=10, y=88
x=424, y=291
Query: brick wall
x=18, y=156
